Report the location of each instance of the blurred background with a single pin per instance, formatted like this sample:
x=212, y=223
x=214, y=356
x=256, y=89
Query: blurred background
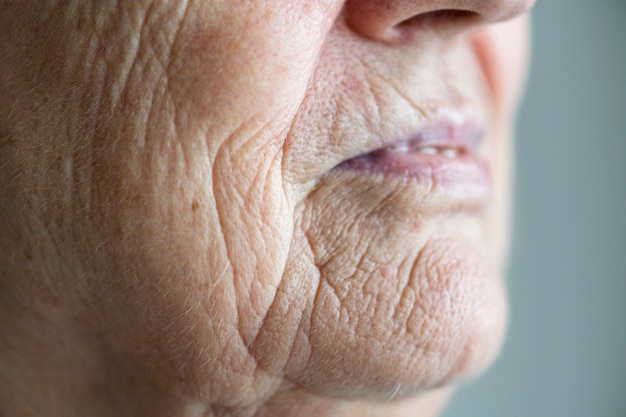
x=565, y=355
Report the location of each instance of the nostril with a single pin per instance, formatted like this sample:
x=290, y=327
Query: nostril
x=440, y=19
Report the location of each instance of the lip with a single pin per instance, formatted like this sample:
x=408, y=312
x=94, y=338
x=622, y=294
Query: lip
x=442, y=155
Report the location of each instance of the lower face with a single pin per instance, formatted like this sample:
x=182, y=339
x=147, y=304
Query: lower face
x=275, y=202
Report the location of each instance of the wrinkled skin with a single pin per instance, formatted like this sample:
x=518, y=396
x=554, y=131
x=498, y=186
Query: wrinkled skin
x=175, y=237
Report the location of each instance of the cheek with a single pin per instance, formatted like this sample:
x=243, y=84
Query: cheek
x=191, y=200
x=232, y=72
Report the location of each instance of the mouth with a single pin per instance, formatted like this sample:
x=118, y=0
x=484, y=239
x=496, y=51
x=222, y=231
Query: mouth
x=443, y=156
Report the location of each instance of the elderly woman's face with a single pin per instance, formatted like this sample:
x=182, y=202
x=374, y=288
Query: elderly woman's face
x=255, y=204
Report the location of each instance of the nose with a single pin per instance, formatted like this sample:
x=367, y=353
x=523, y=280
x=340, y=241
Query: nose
x=395, y=20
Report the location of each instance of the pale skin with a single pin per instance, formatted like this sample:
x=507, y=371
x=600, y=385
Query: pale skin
x=177, y=239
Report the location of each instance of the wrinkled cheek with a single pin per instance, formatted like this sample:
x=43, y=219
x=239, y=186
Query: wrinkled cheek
x=186, y=259
x=182, y=188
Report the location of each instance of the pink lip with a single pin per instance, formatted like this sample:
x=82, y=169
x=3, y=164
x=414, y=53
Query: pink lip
x=442, y=155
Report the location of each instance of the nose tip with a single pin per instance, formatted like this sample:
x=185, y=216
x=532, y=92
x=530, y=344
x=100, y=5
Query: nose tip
x=389, y=20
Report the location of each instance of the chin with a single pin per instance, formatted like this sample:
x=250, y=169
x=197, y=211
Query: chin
x=402, y=295
x=445, y=325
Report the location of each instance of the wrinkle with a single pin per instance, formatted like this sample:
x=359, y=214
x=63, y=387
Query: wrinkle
x=290, y=132
x=231, y=199
x=316, y=298
x=132, y=56
x=370, y=70
x=416, y=303
x=220, y=209
x=183, y=11
x=400, y=93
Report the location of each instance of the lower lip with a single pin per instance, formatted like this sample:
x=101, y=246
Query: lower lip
x=464, y=178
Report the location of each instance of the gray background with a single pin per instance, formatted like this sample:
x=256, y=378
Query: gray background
x=565, y=355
